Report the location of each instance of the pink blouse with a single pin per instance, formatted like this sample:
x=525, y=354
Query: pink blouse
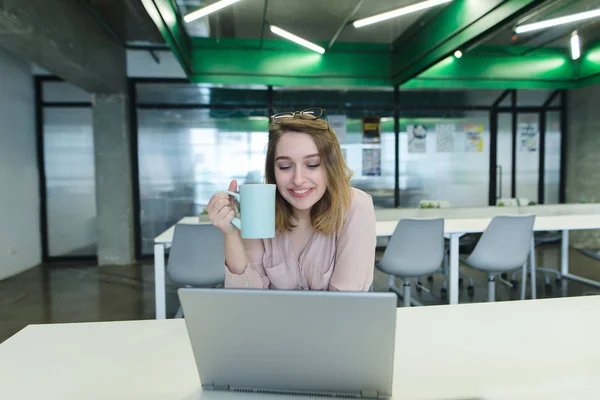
x=343, y=261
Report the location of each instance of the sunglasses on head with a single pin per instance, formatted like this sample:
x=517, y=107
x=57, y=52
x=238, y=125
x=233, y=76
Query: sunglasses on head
x=308, y=114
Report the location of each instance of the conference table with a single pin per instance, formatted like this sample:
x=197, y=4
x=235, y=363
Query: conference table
x=515, y=350
x=454, y=228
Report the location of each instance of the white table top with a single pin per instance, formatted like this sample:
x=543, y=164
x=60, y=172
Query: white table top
x=454, y=225
x=533, y=350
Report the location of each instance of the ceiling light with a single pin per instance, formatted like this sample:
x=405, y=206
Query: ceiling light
x=575, y=46
x=458, y=54
x=558, y=21
x=208, y=10
x=399, y=12
x=290, y=36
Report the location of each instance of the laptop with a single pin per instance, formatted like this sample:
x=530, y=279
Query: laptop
x=338, y=344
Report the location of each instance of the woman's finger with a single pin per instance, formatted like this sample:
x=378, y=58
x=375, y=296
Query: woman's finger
x=223, y=212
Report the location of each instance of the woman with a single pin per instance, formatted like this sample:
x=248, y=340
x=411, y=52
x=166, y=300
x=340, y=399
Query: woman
x=325, y=228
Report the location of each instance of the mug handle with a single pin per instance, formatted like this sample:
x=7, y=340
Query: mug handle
x=235, y=221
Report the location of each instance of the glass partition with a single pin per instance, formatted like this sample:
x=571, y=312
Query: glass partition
x=70, y=181
x=444, y=156
x=185, y=156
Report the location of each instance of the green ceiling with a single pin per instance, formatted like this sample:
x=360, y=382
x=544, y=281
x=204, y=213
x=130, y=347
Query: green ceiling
x=423, y=60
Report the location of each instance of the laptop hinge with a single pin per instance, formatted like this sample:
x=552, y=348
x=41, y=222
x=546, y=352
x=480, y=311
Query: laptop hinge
x=369, y=394
x=214, y=386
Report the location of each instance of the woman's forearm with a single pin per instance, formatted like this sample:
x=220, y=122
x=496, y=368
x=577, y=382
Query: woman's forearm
x=235, y=254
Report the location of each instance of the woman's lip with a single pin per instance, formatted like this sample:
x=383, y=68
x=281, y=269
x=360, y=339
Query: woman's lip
x=300, y=195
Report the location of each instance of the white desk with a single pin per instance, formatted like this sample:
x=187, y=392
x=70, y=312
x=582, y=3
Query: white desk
x=454, y=228
x=493, y=351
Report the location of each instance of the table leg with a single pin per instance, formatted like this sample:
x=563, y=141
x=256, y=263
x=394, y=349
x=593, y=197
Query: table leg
x=159, y=281
x=564, y=253
x=532, y=268
x=453, y=271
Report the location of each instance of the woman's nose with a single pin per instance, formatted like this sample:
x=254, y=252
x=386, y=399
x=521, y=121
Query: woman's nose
x=298, y=177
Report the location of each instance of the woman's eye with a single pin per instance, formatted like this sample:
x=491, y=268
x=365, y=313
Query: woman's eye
x=283, y=168
x=313, y=165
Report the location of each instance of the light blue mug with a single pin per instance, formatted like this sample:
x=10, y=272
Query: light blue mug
x=257, y=210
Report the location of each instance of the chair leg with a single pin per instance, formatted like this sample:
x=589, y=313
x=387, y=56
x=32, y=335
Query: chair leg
x=465, y=276
x=524, y=283
x=406, y=293
x=550, y=271
x=491, y=288
x=391, y=281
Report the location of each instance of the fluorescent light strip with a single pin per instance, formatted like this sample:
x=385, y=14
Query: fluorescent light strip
x=557, y=21
x=399, y=12
x=290, y=36
x=575, y=47
x=208, y=10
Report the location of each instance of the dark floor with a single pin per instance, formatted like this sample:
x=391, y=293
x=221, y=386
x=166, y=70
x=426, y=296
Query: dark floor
x=81, y=293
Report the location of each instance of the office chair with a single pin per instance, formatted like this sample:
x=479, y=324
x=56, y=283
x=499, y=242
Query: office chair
x=541, y=238
x=416, y=248
x=197, y=257
x=503, y=247
x=465, y=240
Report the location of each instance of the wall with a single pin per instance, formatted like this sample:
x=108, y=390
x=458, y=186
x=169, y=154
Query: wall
x=20, y=246
x=583, y=156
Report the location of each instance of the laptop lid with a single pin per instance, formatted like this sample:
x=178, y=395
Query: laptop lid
x=292, y=342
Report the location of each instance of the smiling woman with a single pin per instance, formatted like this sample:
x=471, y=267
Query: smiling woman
x=325, y=229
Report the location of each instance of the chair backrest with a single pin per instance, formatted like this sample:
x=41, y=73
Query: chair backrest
x=197, y=256
x=416, y=248
x=504, y=245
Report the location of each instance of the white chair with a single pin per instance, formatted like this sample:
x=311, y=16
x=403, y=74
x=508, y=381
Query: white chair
x=503, y=246
x=197, y=257
x=540, y=238
x=463, y=241
x=416, y=248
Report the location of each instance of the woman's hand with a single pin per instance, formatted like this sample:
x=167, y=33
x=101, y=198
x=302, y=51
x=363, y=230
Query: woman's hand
x=221, y=210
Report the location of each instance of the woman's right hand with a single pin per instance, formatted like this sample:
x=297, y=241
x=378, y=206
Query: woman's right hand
x=221, y=210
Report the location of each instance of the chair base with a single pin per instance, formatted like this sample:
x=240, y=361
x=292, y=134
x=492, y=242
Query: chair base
x=404, y=293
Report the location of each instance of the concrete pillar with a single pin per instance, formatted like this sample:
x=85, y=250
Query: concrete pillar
x=114, y=193
x=583, y=156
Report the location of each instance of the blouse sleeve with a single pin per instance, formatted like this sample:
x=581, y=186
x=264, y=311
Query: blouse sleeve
x=254, y=276
x=355, y=251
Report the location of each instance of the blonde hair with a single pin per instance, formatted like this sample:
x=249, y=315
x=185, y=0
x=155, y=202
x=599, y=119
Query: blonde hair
x=328, y=214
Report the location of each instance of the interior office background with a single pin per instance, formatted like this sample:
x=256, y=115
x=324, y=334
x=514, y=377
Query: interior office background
x=190, y=144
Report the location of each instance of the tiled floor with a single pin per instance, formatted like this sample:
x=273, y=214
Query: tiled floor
x=78, y=293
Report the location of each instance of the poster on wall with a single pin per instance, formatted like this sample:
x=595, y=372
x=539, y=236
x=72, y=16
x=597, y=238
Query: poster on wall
x=338, y=124
x=417, y=138
x=473, y=138
x=445, y=138
x=528, y=137
x=371, y=162
x=371, y=127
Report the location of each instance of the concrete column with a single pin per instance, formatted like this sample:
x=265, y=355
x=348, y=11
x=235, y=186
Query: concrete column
x=583, y=156
x=114, y=194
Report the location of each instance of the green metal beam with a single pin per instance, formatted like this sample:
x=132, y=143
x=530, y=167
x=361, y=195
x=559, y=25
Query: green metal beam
x=461, y=23
x=589, y=63
x=170, y=25
x=279, y=62
x=282, y=63
x=547, y=71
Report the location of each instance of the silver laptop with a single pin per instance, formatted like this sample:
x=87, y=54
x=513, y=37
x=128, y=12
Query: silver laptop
x=337, y=344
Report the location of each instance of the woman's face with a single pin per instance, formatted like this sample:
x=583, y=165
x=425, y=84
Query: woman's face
x=299, y=174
